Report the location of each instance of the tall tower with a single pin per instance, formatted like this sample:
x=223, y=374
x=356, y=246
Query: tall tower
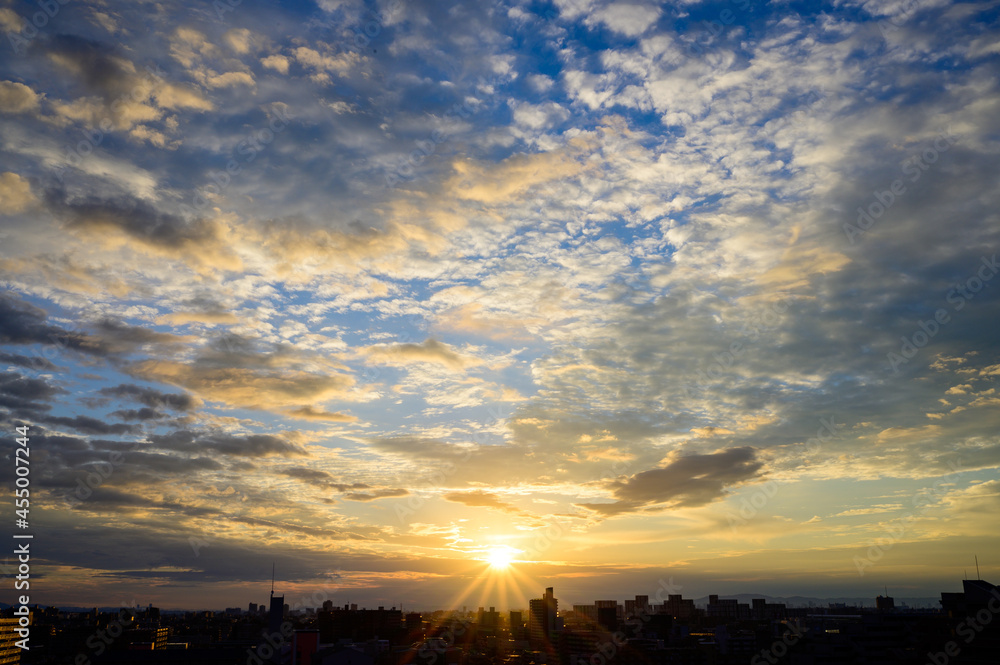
x=275, y=615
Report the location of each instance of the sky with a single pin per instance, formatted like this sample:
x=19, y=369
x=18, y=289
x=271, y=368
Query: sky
x=696, y=296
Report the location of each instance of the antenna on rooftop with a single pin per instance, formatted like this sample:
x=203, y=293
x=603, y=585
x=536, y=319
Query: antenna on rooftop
x=272, y=579
x=977, y=568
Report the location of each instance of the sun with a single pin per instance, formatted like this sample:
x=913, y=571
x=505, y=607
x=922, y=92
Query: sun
x=499, y=557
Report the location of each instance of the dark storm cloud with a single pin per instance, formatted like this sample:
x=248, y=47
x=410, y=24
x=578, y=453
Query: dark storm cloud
x=137, y=553
x=145, y=413
x=121, y=337
x=68, y=460
x=151, y=397
x=99, y=69
x=324, y=480
x=320, y=479
x=88, y=425
x=21, y=395
x=35, y=363
x=103, y=498
x=23, y=323
x=252, y=445
x=135, y=218
x=692, y=480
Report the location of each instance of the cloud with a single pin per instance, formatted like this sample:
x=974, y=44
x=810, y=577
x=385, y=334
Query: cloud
x=25, y=396
x=251, y=445
x=144, y=414
x=482, y=498
x=10, y=21
x=337, y=63
x=628, y=19
x=324, y=480
x=88, y=425
x=239, y=40
x=17, y=98
x=181, y=318
x=33, y=362
x=312, y=413
x=177, y=96
x=152, y=398
x=686, y=481
x=496, y=183
x=241, y=373
x=428, y=351
x=202, y=242
x=23, y=323
x=377, y=494
x=15, y=193
x=276, y=62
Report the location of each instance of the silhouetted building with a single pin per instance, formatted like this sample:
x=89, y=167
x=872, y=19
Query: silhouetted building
x=763, y=610
x=276, y=614
x=679, y=607
x=542, y=620
x=607, y=618
x=488, y=621
x=727, y=608
x=275, y=617
x=517, y=629
x=359, y=625
x=637, y=607
x=885, y=603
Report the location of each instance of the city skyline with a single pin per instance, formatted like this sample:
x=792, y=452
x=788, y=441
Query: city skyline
x=667, y=594
x=442, y=304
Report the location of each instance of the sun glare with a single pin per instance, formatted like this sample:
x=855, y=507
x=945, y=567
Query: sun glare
x=499, y=557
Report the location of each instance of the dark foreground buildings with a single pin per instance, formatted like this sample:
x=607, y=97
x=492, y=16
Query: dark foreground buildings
x=637, y=632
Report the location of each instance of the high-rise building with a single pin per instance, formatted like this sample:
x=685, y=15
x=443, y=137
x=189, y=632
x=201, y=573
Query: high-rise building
x=516, y=622
x=727, y=608
x=637, y=607
x=488, y=620
x=275, y=617
x=276, y=614
x=359, y=625
x=542, y=620
x=680, y=607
